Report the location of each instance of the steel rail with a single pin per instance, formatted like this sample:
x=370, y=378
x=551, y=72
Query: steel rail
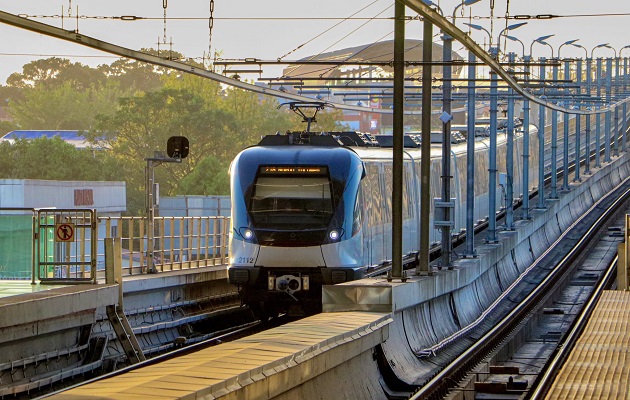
x=447, y=27
x=438, y=385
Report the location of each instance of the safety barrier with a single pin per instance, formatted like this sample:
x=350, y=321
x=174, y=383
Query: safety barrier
x=178, y=242
x=67, y=246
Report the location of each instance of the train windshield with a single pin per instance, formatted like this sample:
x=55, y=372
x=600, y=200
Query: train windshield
x=292, y=198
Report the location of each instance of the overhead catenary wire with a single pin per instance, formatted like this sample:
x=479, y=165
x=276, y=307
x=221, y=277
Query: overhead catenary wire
x=129, y=18
x=344, y=37
x=327, y=30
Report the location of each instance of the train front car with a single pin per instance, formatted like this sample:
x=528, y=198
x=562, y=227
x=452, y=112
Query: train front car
x=296, y=222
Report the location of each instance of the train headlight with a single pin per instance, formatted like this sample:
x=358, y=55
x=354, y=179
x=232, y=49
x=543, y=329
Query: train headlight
x=335, y=234
x=246, y=234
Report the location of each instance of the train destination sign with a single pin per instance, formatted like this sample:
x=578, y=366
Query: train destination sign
x=287, y=169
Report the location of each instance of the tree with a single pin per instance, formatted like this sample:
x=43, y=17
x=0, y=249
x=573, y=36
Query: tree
x=63, y=106
x=209, y=177
x=142, y=124
x=257, y=115
x=54, y=159
x=55, y=71
x=6, y=127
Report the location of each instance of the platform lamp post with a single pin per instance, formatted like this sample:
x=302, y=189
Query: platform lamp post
x=598, y=120
x=565, y=142
x=541, y=128
x=587, y=133
x=526, y=109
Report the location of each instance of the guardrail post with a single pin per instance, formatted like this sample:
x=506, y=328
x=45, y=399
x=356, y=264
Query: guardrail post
x=113, y=264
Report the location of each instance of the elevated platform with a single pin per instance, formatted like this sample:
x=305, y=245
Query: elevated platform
x=50, y=333
x=599, y=365
x=272, y=363
x=25, y=304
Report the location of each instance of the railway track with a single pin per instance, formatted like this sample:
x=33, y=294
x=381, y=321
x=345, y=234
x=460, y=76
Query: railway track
x=553, y=272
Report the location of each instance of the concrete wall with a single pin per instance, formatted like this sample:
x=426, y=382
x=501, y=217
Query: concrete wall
x=105, y=197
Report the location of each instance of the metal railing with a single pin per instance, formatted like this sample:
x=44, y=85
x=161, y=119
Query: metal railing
x=66, y=245
x=179, y=242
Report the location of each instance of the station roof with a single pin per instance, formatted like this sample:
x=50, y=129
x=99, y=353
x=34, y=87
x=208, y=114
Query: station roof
x=374, y=52
x=72, y=137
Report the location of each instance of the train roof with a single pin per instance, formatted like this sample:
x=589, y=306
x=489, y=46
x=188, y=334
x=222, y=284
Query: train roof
x=319, y=144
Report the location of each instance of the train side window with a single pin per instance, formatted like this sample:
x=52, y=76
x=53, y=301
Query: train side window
x=373, y=193
x=389, y=188
x=357, y=218
x=407, y=194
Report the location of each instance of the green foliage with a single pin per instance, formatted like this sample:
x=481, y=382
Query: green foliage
x=143, y=123
x=53, y=159
x=210, y=177
x=6, y=127
x=62, y=106
x=56, y=71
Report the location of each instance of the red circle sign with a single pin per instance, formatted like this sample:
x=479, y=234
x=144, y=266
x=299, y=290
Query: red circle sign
x=64, y=232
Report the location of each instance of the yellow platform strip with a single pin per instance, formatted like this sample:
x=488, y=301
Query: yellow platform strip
x=216, y=370
x=599, y=365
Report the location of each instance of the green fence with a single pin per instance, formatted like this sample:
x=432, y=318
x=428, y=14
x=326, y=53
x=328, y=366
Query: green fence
x=16, y=243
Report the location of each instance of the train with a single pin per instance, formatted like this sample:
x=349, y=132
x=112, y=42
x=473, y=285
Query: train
x=313, y=209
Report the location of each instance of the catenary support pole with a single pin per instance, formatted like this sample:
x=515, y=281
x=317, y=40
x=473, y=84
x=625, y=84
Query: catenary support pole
x=399, y=103
x=565, y=137
x=587, y=128
x=491, y=236
x=509, y=158
x=470, y=160
x=541, y=145
x=578, y=119
x=425, y=162
x=598, y=117
x=554, y=138
x=608, y=138
x=526, y=109
x=446, y=149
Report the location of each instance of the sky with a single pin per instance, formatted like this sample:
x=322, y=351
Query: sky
x=270, y=29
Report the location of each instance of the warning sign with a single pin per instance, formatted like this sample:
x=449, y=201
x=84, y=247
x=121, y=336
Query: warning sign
x=64, y=232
